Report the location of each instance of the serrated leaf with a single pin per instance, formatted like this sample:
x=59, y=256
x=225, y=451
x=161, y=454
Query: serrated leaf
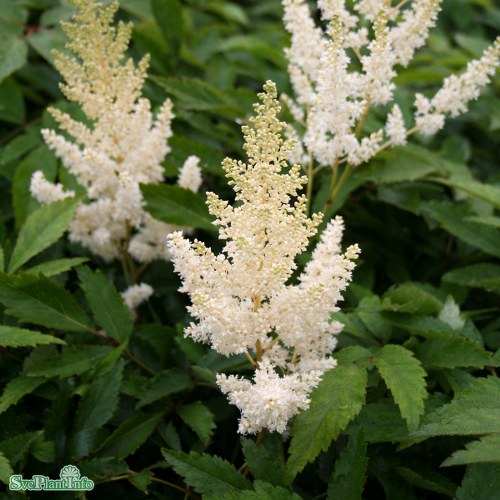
x=42, y=159
x=141, y=480
x=165, y=384
x=5, y=469
x=349, y=475
x=481, y=482
x=36, y=299
x=206, y=473
x=474, y=410
x=453, y=353
x=262, y=491
x=42, y=228
x=12, y=108
x=55, y=267
x=334, y=403
x=197, y=95
x=100, y=401
x=16, y=447
x=432, y=328
x=402, y=164
x=404, y=376
x=13, y=55
x=267, y=461
x=11, y=336
x=106, y=304
x=451, y=216
x=127, y=438
x=414, y=298
x=71, y=361
x=486, y=449
x=485, y=192
x=176, y=205
x=197, y=416
x=168, y=16
x=485, y=276
x=17, y=388
x=382, y=422
x=428, y=480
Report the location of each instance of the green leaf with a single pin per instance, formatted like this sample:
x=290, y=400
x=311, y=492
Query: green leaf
x=12, y=107
x=402, y=164
x=197, y=416
x=452, y=353
x=37, y=299
x=142, y=480
x=451, y=216
x=262, y=491
x=196, y=95
x=267, y=461
x=41, y=229
x=131, y=434
x=13, y=55
x=71, y=361
x=487, y=449
x=100, y=401
x=414, y=298
x=349, y=476
x=11, y=336
x=165, y=384
x=485, y=192
x=485, y=276
x=382, y=422
x=39, y=159
x=176, y=205
x=475, y=410
x=206, y=473
x=481, y=482
x=16, y=447
x=5, y=469
x=17, y=388
x=106, y=304
x=487, y=220
x=404, y=376
x=168, y=16
x=334, y=403
x=55, y=267
x=2, y=259
x=428, y=479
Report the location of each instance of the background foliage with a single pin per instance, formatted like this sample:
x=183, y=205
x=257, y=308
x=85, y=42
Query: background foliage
x=413, y=409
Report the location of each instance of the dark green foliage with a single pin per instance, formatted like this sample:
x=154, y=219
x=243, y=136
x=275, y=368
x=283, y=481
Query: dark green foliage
x=412, y=410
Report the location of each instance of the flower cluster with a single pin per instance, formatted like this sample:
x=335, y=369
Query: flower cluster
x=121, y=146
x=339, y=74
x=242, y=299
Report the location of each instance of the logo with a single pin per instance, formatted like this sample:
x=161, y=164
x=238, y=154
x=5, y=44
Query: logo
x=70, y=480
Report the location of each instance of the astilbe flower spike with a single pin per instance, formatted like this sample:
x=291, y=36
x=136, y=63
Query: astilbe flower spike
x=242, y=299
x=341, y=73
x=122, y=146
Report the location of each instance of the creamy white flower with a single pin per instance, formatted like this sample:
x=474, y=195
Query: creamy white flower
x=395, y=126
x=336, y=95
x=190, y=174
x=122, y=148
x=47, y=192
x=135, y=295
x=241, y=299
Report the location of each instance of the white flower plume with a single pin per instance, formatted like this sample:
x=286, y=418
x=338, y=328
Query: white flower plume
x=122, y=147
x=242, y=301
x=341, y=72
